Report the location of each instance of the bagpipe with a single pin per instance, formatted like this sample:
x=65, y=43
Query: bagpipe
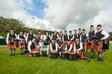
x=13, y=43
x=102, y=45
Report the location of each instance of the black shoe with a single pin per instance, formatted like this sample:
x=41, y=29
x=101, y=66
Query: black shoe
x=91, y=57
x=85, y=59
x=100, y=59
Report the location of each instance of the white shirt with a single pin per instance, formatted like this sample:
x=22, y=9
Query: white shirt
x=29, y=45
x=41, y=44
x=19, y=37
x=83, y=34
x=106, y=35
x=55, y=45
x=81, y=46
x=69, y=48
x=27, y=36
x=7, y=41
x=72, y=37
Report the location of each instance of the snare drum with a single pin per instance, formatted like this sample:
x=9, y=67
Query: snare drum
x=72, y=56
x=54, y=55
x=35, y=54
x=64, y=55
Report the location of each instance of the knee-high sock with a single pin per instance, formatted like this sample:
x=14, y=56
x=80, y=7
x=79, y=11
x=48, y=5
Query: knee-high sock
x=92, y=52
x=11, y=51
x=100, y=54
x=14, y=51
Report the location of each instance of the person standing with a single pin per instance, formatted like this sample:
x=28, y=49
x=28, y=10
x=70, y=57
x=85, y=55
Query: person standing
x=10, y=40
x=100, y=36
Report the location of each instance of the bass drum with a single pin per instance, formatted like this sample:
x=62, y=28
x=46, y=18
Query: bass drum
x=106, y=44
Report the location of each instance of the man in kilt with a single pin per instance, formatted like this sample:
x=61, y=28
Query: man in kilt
x=75, y=34
x=22, y=42
x=84, y=37
x=33, y=48
x=65, y=37
x=78, y=46
x=100, y=36
x=10, y=40
x=79, y=33
x=60, y=45
x=29, y=37
x=53, y=49
x=91, y=44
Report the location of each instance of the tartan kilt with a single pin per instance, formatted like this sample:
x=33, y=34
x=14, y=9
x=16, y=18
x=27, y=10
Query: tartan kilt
x=35, y=49
x=85, y=45
x=22, y=45
x=99, y=46
x=10, y=45
x=81, y=54
x=91, y=45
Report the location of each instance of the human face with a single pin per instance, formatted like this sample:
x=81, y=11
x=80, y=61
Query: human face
x=91, y=28
x=98, y=28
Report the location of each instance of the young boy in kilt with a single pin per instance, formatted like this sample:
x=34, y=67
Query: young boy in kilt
x=48, y=40
x=55, y=35
x=75, y=34
x=68, y=46
x=67, y=50
x=65, y=37
x=60, y=45
x=53, y=49
x=30, y=35
x=41, y=47
x=79, y=34
x=22, y=42
x=100, y=36
x=32, y=47
x=84, y=37
x=91, y=43
x=71, y=36
x=78, y=46
x=10, y=40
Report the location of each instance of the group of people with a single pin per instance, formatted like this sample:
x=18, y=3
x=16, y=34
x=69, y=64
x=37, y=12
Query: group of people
x=72, y=45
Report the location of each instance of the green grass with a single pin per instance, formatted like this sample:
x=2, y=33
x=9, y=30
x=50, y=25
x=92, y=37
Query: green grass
x=22, y=64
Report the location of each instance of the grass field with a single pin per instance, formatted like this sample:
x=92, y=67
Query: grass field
x=22, y=64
